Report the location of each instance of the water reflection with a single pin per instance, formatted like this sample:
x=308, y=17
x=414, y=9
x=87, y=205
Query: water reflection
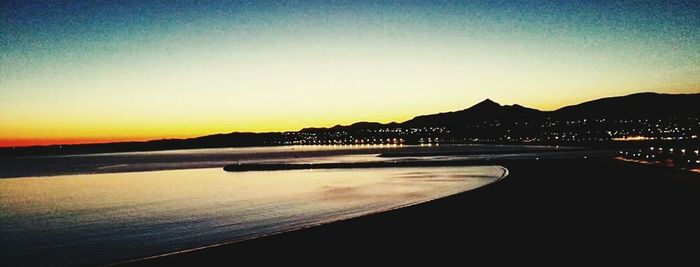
x=104, y=218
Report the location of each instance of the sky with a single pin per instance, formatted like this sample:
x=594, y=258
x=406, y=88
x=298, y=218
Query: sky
x=100, y=71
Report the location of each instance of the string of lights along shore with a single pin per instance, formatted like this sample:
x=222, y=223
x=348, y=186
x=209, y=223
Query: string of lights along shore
x=90, y=72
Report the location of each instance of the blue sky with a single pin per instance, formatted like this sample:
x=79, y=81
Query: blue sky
x=127, y=70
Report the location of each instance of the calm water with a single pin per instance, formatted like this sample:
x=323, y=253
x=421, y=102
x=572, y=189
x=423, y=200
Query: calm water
x=112, y=217
x=218, y=157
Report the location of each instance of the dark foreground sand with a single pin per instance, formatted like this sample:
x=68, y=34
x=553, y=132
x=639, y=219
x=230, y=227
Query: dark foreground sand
x=548, y=211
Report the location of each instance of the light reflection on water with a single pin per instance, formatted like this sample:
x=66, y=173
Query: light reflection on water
x=106, y=218
x=219, y=157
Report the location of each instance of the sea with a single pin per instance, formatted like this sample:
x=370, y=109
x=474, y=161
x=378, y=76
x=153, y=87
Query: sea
x=99, y=209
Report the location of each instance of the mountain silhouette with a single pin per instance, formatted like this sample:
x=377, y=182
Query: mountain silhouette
x=484, y=110
x=634, y=106
x=486, y=119
x=642, y=105
x=354, y=126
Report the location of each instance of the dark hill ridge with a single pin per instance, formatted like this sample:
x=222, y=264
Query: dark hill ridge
x=354, y=126
x=475, y=121
x=484, y=110
x=642, y=105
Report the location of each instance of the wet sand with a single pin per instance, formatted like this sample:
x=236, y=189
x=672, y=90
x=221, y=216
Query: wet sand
x=545, y=211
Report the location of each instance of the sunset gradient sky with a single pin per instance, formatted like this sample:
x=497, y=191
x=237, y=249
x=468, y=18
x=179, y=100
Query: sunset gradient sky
x=95, y=71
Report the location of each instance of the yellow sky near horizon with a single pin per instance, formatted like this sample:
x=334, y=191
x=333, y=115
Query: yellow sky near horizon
x=107, y=72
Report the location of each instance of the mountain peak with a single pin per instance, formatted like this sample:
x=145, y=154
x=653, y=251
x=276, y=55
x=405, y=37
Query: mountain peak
x=487, y=103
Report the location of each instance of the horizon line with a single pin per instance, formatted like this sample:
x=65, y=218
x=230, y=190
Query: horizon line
x=85, y=140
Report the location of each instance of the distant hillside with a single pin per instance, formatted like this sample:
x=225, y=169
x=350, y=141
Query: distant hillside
x=486, y=120
x=354, y=126
x=642, y=105
x=235, y=139
x=485, y=110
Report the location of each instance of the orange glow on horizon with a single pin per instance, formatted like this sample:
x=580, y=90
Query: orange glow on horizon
x=27, y=142
x=261, y=67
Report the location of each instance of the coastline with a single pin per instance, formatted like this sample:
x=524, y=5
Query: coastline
x=545, y=209
x=269, y=235
x=42, y=166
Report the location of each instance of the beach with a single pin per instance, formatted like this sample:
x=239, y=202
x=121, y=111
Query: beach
x=361, y=133
x=345, y=206
x=545, y=211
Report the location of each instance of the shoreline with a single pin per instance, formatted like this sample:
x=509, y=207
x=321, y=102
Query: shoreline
x=192, y=159
x=216, y=158
x=320, y=224
x=563, y=204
